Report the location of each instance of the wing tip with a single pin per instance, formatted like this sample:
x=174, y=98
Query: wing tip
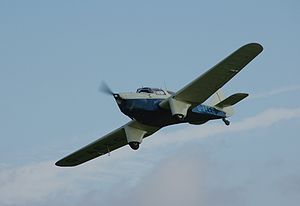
x=243, y=94
x=255, y=46
x=59, y=164
x=62, y=163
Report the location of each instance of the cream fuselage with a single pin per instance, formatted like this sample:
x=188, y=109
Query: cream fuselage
x=145, y=108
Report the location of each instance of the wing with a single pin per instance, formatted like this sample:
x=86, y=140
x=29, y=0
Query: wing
x=208, y=83
x=103, y=145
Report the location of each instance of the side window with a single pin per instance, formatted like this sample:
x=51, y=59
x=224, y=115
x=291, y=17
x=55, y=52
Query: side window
x=160, y=92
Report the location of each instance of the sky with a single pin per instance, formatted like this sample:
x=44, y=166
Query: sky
x=55, y=54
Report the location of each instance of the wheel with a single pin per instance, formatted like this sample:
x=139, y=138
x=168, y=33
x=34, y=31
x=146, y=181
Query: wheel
x=134, y=145
x=179, y=117
x=227, y=122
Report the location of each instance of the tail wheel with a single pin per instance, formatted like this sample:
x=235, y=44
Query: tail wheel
x=227, y=122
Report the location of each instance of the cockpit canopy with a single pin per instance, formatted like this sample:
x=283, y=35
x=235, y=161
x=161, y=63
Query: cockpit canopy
x=151, y=90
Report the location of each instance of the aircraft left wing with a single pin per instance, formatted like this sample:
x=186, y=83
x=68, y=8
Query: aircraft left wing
x=199, y=90
x=104, y=145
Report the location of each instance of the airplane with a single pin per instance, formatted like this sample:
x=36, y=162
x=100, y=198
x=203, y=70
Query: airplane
x=152, y=109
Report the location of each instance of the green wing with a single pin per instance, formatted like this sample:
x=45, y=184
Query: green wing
x=103, y=145
x=208, y=83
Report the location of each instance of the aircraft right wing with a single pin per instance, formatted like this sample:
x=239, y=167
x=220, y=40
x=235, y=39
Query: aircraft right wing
x=199, y=90
x=104, y=145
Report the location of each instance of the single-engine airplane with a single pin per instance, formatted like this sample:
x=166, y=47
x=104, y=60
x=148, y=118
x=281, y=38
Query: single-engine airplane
x=152, y=109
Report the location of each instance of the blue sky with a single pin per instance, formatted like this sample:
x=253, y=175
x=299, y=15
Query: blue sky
x=55, y=54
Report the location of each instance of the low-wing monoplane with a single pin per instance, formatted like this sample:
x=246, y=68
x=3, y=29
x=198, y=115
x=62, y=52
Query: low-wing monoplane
x=152, y=109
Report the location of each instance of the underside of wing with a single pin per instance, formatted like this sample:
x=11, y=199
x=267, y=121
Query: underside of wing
x=208, y=83
x=109, y=142
x=104, y=145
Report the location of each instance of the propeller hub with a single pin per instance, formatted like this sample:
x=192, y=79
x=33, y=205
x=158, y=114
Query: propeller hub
x=107, y=90
x=118, y=99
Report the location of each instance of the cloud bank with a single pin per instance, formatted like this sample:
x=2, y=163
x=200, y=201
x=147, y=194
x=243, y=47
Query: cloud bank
x=156, y=175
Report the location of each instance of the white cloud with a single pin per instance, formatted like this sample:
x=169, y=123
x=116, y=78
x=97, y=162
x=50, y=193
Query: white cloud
x=183, y=180
x=264, y=119
x=277, y=91
x=172, y=184
x=31, y=183
x=192, y=177
x=124, y=170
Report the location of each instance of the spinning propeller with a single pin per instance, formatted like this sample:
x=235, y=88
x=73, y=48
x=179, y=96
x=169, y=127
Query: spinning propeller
x=104, y=88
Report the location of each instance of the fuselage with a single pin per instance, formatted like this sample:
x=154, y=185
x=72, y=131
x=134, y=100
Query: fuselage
x=143, y=106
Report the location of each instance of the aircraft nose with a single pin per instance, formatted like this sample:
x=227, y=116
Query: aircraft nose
x=118, y=99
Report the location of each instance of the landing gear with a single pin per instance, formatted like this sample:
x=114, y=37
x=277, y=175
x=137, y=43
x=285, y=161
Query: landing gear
x=227, y=122
x=179, y=117
x=134, y=145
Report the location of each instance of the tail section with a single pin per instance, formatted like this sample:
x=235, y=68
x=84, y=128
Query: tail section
x=225, y=104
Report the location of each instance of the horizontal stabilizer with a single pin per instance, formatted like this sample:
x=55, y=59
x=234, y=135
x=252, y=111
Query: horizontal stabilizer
x=231, y=100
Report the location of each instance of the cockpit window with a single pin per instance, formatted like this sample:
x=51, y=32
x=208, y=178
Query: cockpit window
x=145, y=90
x=151, y=90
